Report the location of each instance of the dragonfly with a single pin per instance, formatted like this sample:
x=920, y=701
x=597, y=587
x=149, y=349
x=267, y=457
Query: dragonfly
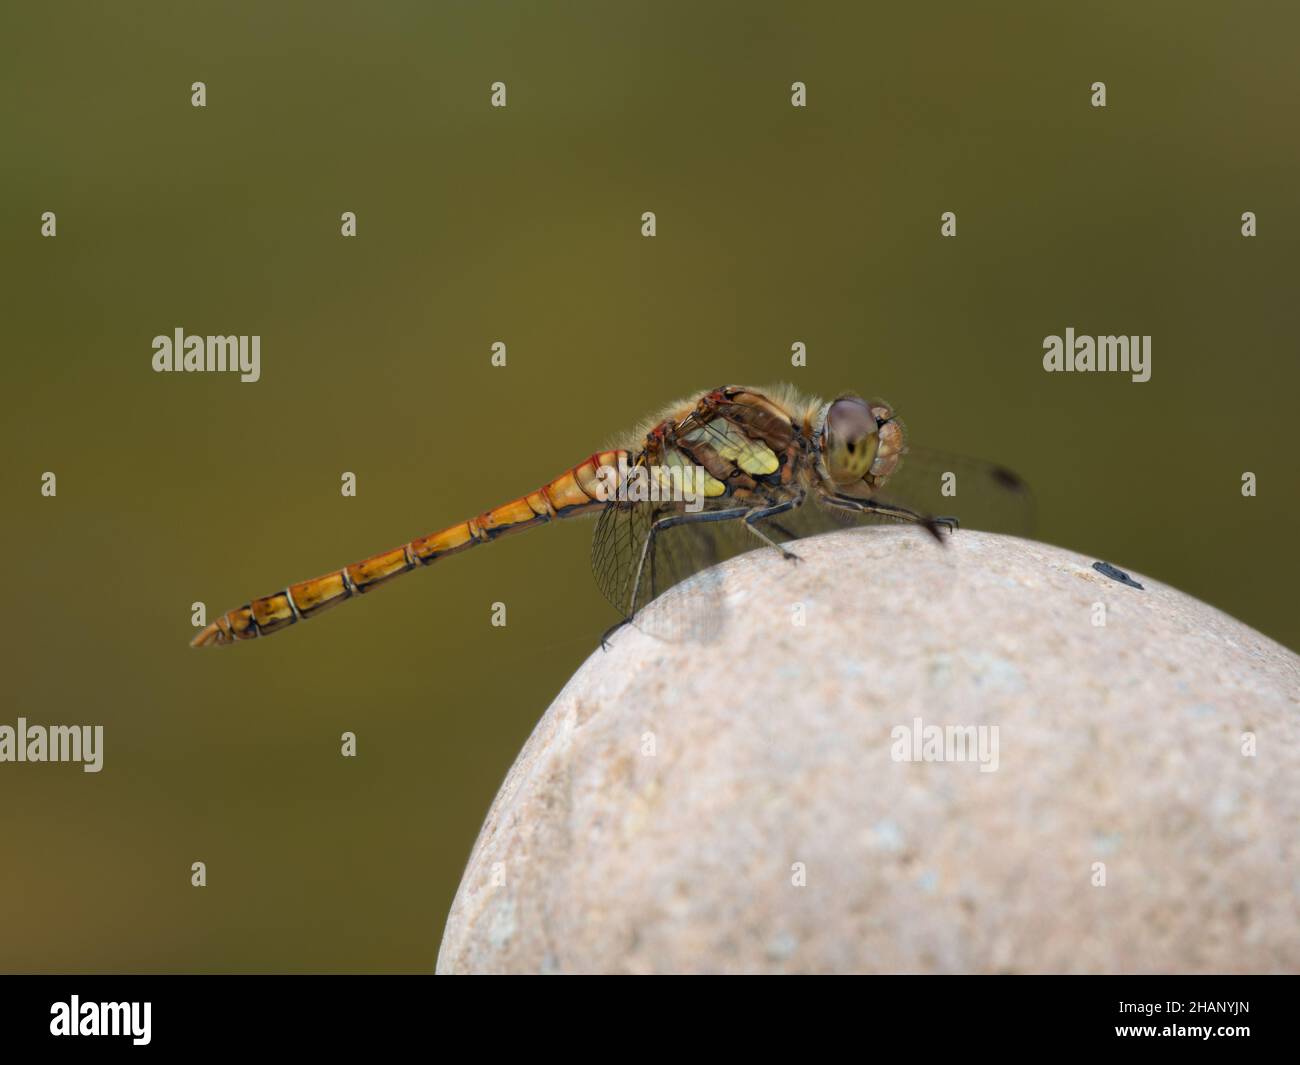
x=730, y=470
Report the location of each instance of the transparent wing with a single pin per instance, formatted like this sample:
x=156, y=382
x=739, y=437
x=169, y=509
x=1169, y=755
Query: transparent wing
x=979, y=494
x=616, y=548
x=634, y=574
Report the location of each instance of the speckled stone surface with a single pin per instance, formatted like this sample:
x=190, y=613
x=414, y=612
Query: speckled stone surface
x=660, y=816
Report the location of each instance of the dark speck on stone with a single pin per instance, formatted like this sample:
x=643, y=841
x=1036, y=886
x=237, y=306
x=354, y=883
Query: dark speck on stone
x=1116, y=574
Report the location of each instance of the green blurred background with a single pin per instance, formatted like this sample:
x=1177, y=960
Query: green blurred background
x=522, y=225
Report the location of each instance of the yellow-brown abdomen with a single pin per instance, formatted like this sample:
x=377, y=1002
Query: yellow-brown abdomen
x=576, y=491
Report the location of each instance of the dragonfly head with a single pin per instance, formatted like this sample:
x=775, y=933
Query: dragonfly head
x=856, y=441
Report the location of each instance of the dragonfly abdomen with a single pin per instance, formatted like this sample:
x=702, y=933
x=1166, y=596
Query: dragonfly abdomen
x=576, y=491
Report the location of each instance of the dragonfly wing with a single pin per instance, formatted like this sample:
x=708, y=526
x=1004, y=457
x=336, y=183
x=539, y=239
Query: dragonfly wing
x=616, y=546
x=979, y=494
x=635, y=568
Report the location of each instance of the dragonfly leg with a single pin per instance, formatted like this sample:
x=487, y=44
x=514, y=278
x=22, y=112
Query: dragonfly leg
x=667, y=523
x=755, y=516
x=890, y=510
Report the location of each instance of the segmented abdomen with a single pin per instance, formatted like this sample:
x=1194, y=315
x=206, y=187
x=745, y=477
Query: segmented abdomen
x=576, y=491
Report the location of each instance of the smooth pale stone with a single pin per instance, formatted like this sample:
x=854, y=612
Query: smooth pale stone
x=1119, y=744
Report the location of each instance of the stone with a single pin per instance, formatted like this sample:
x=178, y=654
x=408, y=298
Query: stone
x=741, y=805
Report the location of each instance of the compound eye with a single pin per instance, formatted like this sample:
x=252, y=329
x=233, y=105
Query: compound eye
x=851, y=440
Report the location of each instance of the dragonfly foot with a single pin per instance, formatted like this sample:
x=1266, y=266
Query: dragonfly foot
x=604, y=639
